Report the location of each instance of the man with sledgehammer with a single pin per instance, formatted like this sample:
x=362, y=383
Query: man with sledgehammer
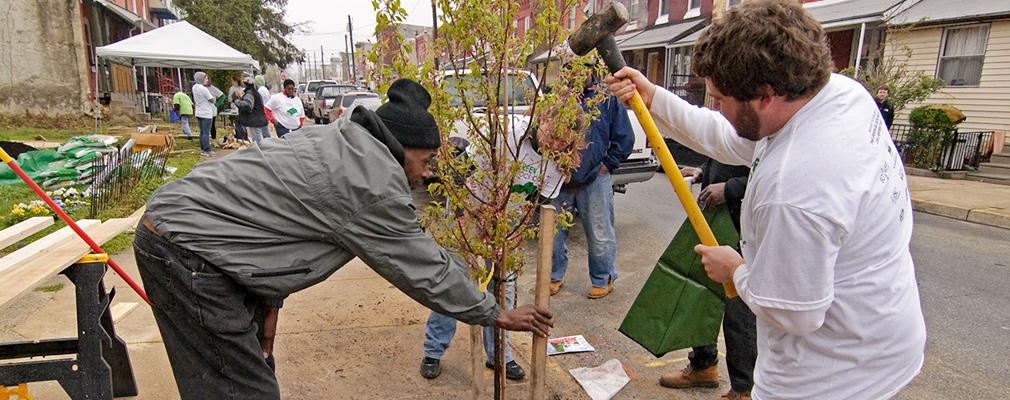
x=826, y=220
x=221, y=248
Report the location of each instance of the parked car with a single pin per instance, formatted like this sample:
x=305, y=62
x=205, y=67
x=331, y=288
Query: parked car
x=342, y=104
x=300, y=89
x=371, y=103
x=324, y=99
x=310, y=92
x=640, y=166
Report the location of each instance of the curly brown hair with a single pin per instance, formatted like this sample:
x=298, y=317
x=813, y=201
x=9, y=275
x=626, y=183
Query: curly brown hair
x=764, y=42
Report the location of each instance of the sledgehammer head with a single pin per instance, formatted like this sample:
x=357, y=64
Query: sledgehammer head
x=598, y=31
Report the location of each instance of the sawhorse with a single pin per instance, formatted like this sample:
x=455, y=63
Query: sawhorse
x=99, y=364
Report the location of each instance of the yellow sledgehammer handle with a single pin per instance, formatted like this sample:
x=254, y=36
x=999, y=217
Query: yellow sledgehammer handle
x=679, y=184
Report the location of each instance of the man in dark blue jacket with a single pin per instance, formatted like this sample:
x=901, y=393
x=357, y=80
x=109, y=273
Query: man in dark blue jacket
x=610, y=140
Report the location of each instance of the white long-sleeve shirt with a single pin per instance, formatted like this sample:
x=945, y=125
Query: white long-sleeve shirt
x=825, y=227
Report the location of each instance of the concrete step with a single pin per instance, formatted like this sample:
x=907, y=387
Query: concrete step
x=988, y=178
x=996, y=169
x=1000, y=158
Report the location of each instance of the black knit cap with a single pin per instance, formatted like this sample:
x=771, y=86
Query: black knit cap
x=407, y=117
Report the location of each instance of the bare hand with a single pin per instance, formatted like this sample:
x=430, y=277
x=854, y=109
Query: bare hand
x=624, y=82
x=526, y=318
x=713, y=194
x=693, y=172
x=720, y=261
x=604, y=170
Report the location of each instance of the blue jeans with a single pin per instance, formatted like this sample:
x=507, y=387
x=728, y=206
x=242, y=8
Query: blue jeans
x=205, y=125
x=258, y=133
x=211, y=325
x=184, y=120
x=282, y=130
x=595, y=203
x=440, y=329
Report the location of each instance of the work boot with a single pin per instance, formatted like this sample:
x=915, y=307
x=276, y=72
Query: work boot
x=597, y=292
x=735, y=395
x=430, y=368
x=690, y=377
x=512, y=369
x=556, y=286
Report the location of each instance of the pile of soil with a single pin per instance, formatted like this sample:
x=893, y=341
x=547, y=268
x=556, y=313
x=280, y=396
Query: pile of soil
x=14, y=149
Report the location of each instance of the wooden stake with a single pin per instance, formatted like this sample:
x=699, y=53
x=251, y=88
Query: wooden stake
x=476, y=359
x=545, y=251
x=499, y=333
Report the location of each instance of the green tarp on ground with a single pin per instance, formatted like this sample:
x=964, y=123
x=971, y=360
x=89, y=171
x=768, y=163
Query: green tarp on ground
x=33, y=163
x=679, y=306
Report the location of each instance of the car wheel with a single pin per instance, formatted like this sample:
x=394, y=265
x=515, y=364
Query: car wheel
x=326, y=120
x=317, y=121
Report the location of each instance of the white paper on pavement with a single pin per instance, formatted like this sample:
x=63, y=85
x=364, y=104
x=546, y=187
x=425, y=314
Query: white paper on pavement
x=603, y=382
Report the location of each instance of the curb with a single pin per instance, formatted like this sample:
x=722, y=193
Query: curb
x=982, y=216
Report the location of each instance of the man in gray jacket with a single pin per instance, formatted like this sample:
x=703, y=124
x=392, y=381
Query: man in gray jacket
x=216, y=273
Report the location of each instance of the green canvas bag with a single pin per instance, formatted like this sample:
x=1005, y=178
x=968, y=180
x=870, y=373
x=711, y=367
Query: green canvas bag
x=679, y=306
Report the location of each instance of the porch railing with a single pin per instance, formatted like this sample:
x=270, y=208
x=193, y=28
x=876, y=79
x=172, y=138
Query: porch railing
x=950, y=154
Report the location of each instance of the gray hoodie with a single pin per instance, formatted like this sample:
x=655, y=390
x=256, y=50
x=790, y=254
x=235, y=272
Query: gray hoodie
x=286, y=214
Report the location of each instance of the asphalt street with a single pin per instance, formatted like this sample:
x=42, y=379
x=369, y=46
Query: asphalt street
x=962, y=269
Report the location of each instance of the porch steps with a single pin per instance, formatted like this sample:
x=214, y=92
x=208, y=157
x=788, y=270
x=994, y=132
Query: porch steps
x=997, y=170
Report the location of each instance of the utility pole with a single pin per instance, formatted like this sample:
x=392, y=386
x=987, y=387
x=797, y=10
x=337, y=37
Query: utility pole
x=350, y=31
x=347, y=68
x=434, y=32
x=322, y=63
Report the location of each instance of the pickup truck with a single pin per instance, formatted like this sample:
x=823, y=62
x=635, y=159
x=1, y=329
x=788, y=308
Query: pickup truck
x=640, y=166
x=310, y=94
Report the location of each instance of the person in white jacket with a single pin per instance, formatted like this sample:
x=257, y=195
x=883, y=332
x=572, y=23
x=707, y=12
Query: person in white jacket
x=826, y=218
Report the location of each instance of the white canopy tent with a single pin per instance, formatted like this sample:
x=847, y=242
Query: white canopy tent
x=178, y=45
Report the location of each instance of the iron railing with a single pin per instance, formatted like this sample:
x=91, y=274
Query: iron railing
x=688, y=87
x=951, y=153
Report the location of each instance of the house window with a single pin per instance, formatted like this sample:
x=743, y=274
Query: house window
x=633, y=12
x=571, y=18
x=961, y=55
x=692, y=4
x=526, y=24
x=664, y=11
x=732, y=3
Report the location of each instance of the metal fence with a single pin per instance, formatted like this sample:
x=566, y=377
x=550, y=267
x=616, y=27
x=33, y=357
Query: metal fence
x=949, y=152
x=120, y=172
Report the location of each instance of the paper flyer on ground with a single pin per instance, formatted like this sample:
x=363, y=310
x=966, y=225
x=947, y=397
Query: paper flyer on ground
x=568, y=344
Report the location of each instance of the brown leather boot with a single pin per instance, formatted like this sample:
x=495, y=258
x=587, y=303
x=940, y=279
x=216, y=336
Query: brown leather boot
x=690, y=377
x=597, y=292
x=556, y=286
x=735, y=395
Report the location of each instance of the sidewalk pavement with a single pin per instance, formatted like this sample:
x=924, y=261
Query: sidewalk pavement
x=979, y=202
x=353, y=336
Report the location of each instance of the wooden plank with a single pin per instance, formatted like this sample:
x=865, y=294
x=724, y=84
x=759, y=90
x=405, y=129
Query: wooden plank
x=23, y=229
x=42, y=246
x=136, y=216
x=23, y=277
x=120, y=310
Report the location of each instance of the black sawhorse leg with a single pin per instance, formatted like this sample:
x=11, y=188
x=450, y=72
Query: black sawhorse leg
x=101, y=368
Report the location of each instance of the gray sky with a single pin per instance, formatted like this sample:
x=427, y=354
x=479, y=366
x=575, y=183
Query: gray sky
x=327, y=21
